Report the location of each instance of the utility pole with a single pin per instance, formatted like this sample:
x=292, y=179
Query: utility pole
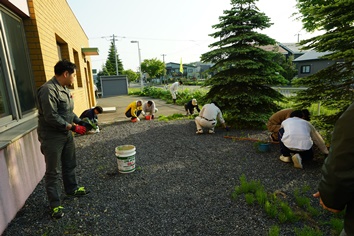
x=115, y=54
x=163, y=77
x=298, y=37
x=163, y=58
x=141, y=73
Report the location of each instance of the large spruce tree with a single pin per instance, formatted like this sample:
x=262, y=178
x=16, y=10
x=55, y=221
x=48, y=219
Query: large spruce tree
x=243, y=72
x=109, y=67
x=333, y=86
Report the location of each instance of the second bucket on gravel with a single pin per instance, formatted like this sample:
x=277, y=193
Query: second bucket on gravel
x=126, y=158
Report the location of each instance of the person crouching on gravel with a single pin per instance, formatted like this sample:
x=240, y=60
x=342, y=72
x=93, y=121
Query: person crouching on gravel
x=189, y=107
x=208, y=117
x=149, y=107
x=133, y=110
x=90, y=116
x=274, y=122
x=296, y=137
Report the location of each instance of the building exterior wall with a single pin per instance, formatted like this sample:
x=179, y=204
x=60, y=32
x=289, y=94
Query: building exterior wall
x=315, y=66
x=21, y=168
x=52, y=23
x=52, y=32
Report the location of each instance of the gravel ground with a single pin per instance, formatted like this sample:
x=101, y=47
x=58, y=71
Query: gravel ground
x=182, y=185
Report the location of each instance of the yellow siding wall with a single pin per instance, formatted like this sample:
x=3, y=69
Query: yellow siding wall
x=53, y=21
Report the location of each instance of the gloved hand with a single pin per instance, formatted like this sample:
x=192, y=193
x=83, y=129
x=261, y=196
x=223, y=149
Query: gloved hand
x=85, y=124
x=79, y=129
x=152, y=116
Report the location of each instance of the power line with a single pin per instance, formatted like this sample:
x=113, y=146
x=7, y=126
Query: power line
x=158, y=39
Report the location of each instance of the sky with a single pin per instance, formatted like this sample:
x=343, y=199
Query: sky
x=169, y=30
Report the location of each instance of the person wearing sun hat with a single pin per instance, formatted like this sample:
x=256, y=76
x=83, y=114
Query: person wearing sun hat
x=189, y=106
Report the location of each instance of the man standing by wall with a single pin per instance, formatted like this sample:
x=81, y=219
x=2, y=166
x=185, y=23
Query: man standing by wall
x=55, y=122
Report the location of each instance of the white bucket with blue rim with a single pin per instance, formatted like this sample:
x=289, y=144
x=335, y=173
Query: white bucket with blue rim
x=126, y=158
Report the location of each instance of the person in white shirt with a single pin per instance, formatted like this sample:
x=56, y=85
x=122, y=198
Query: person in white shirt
x=173, y=90
x=149, y=107
x=208, y=117
x=297, y=137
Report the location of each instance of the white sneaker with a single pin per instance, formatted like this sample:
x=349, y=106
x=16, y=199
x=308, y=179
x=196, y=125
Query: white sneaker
x=211, y=131
x=199, y=131
x=285, y=159
x=297, y=161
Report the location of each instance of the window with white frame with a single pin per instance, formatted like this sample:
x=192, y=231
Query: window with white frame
x=17, y=92
x=306, y=69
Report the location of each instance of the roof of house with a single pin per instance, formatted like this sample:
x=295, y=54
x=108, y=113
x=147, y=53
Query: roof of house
x=311, y=55
x=273, y=48
x=293, y=48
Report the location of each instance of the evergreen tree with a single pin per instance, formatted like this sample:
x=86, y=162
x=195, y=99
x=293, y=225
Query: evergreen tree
x=243, y=72
x=110, y=65
x=332, y=86
x=109, y=68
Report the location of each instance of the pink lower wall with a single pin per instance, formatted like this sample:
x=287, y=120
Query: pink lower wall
x=22, y=166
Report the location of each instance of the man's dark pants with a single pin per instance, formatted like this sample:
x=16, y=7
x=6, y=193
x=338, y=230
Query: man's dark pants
x=129, y=113
x=59, y=149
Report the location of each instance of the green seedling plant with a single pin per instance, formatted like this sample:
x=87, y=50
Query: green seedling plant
x=307, y=231
x=175, y=116
x=336, y=225
x=304, y=202
x=277, y=208
x=249, y=198
x=274, y=230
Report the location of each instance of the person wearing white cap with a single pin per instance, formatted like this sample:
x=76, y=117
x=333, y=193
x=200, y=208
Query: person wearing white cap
x=149, y=107
x=189, y=106
x=208, y=117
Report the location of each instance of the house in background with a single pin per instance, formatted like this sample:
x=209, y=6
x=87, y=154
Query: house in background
x=194, y=70
x=311, y=63
x=202, y=70
x=35, y=35
x=291, y=50
x=173, y=71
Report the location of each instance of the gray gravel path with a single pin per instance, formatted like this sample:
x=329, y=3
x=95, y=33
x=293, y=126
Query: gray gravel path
x=182, y=185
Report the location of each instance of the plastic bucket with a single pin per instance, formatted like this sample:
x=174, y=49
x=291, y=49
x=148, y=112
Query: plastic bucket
x=126, y=158
x=148, y=117
x=264, y=147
